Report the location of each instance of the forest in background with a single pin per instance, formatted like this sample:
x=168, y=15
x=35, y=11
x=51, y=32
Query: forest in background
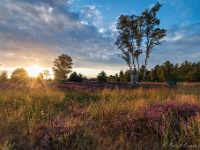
x=184, y=72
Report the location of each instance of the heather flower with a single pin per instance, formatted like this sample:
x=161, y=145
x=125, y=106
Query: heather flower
x=59, y=133
x=154, y=118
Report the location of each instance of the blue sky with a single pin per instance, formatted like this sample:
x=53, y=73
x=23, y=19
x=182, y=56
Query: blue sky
x=38, y=31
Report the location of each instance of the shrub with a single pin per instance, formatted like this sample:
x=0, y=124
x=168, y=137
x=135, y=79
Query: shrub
x=171, y=121
x=74, y=77
x=19, y=75
x=67, y=134
x=102, y=77
x=164, y=124
x=3, y=76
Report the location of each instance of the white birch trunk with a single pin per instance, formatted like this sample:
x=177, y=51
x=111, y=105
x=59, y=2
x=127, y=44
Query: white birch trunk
x=145, y=65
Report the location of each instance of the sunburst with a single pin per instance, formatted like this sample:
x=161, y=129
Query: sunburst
x=34, y=70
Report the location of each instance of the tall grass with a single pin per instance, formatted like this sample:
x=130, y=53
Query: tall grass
x=44, y=117
x=22, y=110
x=121, y=121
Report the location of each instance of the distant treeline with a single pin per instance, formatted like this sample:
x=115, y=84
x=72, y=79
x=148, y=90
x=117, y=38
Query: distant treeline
x=185, y=72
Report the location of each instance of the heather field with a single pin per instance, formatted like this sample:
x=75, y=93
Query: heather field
x=99, y=116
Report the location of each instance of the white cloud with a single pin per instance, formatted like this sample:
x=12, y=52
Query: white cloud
x=183, y=42
x=39, y=32
x=36, y=32
x=91, y=15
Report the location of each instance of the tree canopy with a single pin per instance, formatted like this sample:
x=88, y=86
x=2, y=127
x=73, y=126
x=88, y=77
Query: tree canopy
x=136, y=32
x=62, y=67
x=75, y=77
x=19, y=75
x=184, y=72
x=46, y=73
x=102, y=76
x=3, y=76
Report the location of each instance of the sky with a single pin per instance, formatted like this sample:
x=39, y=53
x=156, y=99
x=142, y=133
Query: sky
x=35, y=32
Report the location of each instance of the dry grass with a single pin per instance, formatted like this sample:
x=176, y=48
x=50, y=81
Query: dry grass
x=44, y=117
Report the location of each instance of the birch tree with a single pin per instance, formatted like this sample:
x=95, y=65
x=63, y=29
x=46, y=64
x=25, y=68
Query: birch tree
x=152, y=34
x=129, y=42
x=135, y=33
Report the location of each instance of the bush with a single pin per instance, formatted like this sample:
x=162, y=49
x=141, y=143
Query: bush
x=172, y=111
x=74, y=77
x=165, y=124
x=171, y=122
x=67, y=134
x=19, y=75
x=102, y=77
x=3, y=76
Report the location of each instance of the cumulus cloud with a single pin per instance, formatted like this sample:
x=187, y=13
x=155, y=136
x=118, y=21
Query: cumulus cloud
x=38, y=31
x=91, y=14
x=183, y=42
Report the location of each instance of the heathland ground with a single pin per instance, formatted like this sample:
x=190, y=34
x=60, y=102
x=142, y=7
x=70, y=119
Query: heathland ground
x=99, y=116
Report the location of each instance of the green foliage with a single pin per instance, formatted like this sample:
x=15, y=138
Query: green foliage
x=3, y=76
x=102, y=77
x=153, y=35
x=40, y=78
x=19, y=75
x=186, y=72
x=74, y=77
x=189, y=71
x=46, y=73
x=129, y=41
x=135, y=30
x=122, y=77
x=167, y=72
x=172, y=80
x=62, y=67
x=113, y=78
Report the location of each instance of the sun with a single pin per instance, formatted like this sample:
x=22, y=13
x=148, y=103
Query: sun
x=34, y=70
